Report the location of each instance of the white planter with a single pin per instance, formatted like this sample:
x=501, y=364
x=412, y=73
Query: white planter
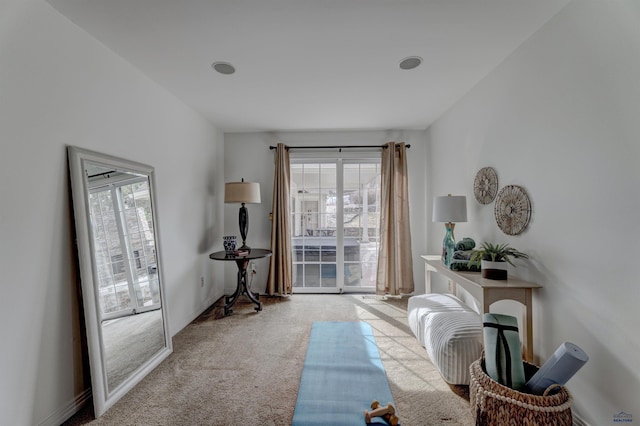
x=493, y=270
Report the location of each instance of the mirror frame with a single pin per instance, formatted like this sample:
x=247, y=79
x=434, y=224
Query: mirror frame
x=103, y=398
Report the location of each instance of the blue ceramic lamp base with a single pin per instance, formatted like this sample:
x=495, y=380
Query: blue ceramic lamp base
x=448, y=244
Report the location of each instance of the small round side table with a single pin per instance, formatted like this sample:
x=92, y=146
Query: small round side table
x=241, y=286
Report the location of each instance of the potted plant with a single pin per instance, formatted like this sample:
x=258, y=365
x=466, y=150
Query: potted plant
x=493, y=259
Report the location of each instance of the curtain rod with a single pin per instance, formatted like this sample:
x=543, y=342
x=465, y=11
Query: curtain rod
x=101, y=174
x=340, y=147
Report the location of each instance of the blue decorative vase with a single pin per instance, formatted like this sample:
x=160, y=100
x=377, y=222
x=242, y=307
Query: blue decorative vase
x=229, y=243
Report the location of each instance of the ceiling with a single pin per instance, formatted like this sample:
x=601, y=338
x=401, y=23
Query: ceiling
x=313, y=64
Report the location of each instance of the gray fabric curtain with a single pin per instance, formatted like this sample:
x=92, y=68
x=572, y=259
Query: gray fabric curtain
x=395, y=264
x=280, y=280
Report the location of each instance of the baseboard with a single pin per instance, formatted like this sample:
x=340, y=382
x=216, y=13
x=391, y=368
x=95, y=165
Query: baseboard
x=64, y=413
x=207, y=305
x=577, y=421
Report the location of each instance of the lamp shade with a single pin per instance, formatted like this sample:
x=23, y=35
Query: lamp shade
x=450, y=208
x=242, y=192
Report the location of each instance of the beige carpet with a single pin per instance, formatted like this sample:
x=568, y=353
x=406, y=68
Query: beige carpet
x=245, y=369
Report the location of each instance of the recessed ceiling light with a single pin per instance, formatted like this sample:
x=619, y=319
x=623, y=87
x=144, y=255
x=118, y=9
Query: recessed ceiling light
x=410, y=63
x=223, y=67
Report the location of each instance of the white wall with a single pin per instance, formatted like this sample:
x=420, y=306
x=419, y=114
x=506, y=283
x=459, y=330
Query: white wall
x=247, y=155
x=58, y=86
x=560, y=118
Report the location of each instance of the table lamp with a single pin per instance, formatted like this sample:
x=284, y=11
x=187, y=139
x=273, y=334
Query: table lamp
x=449, y=209
x=245, y=193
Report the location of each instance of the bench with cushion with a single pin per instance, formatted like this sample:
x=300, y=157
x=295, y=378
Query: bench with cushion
x=450, y=331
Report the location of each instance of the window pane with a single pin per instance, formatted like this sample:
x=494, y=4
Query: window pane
x=311, y=250
x=298, y=270
x=328, y=249
x=351, y=249
x=328, y=275
x=351, y=177
x=312, y=275
x=352, y=274
x=328, y=176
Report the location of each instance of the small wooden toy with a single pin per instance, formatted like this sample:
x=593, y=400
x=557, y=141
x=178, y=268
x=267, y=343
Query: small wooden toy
x=388, y=413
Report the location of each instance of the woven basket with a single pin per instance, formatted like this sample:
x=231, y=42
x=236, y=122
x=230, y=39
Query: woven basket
x=495, y=404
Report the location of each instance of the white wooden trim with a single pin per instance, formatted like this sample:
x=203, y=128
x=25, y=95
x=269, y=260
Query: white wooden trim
x=578, y=421
x=64, y=413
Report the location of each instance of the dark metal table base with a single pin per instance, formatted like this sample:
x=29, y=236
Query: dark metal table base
x=241, y=288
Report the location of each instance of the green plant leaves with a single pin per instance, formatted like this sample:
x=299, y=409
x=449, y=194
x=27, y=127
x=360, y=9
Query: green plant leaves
x=495, y=253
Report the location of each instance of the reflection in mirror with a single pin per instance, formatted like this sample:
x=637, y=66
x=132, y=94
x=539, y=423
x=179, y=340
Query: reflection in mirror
x=125, y=259
x=116, y=225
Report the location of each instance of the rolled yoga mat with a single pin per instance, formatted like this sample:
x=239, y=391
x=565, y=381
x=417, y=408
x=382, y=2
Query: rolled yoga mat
x=558, y=369
x=342, y=375
x=502, y=353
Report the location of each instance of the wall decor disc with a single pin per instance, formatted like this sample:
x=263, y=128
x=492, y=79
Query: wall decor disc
x=512, y=209
x=485, y=185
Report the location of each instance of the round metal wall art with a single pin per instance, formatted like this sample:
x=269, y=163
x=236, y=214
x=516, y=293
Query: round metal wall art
x=512, y=209
x=485, y=185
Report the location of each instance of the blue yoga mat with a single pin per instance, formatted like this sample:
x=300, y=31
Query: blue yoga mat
x=342, y=375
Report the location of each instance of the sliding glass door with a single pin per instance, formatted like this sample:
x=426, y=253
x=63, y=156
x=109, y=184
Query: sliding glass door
x=335, y=220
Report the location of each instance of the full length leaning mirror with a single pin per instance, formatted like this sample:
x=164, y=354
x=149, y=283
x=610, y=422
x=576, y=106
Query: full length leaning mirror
x=120, y=269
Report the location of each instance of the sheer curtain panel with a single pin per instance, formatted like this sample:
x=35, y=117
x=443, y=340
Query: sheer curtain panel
x=395, y=264
x=280, y=268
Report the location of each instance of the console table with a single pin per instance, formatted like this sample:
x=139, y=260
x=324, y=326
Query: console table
x=241, y=286
x=488, y=291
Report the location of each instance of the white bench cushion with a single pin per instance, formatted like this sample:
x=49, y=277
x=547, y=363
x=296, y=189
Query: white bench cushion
x=450, y=331
x=421, y=306
x=453, y=341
